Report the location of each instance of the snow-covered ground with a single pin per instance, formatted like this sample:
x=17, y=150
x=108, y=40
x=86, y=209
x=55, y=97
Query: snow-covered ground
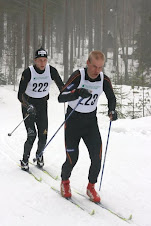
x=126, y=185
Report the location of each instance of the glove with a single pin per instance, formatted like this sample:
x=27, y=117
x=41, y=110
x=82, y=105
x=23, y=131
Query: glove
x=112, y=115
x=84, y=93
x=31, y=110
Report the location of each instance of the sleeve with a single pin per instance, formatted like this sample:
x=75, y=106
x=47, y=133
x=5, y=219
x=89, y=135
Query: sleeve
x=56, y=77
x=68, y=92
x=107, y=88
x=26, y=76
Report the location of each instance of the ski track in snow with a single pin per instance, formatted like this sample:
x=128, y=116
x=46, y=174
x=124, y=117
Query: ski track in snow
x=126, y=181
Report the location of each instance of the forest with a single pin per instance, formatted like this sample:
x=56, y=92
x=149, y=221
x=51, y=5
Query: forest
x=70, y=29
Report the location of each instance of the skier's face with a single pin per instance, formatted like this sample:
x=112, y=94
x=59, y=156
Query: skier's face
x=95, y=66
x=41, y=62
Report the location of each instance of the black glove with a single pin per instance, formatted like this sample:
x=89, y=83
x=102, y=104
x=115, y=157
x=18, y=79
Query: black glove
x=112, y=115
x=84, y=93
x=31, y=110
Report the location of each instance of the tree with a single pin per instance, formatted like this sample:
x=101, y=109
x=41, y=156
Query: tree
x=66, y=41
x=143, y=47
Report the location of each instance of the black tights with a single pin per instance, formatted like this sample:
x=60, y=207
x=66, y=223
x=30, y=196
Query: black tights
x=87, y=129
x=35, y=125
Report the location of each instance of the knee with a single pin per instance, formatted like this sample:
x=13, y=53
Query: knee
x=72, y=156
x=31, y=139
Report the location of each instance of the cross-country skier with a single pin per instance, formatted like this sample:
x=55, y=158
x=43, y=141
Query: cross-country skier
x=87, y=83
x=33, y=94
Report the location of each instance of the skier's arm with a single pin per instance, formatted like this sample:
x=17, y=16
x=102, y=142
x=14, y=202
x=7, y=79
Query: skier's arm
x=69, y=90
x=56, y=77
x=107, y=88
x=26, y=76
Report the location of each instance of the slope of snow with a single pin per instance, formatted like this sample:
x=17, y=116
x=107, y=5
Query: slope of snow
x=126, y=181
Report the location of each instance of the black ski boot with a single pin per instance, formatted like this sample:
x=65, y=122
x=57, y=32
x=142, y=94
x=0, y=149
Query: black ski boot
x=40, y=161
x=24, y=165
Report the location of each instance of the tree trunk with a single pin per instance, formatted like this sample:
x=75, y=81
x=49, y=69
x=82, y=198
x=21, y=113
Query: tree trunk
x=27, y=43
x=65, y=42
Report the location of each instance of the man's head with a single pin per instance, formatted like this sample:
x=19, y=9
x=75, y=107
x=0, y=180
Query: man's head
x=40, y=58
x=95, y=63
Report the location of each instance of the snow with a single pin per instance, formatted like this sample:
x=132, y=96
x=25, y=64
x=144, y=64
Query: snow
x=126, y=183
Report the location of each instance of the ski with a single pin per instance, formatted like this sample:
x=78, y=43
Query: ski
x=108, y=209
x=32, y=174
x=45, y=171
x=74, y=202
x=116, y=214
x=48, y=173
x=36, y=178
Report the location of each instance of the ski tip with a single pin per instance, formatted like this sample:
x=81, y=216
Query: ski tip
x=92, y=213
x=40, y=179
x=53, y=188
x=130, y=217
x=56, y=178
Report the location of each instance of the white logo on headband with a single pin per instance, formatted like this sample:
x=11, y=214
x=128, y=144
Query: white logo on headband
x=42, y=52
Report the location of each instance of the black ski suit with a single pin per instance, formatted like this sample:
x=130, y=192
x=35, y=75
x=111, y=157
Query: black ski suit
x=40, y=104
x=83, y=125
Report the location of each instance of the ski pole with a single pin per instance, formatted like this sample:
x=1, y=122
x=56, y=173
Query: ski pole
x=9, y=134
x=34, y=160
x=105, y=154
